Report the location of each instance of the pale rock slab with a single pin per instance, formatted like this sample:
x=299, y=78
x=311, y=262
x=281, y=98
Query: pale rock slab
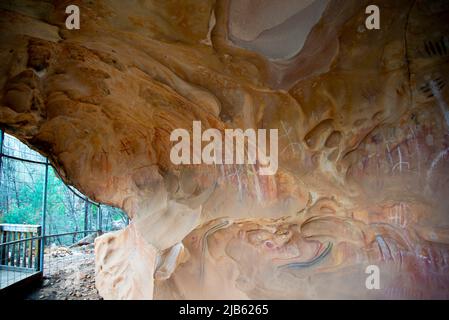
x=363, y=143
x=125, y=265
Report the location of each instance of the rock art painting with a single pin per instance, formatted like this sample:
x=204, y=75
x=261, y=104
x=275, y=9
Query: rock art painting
x=358, y=206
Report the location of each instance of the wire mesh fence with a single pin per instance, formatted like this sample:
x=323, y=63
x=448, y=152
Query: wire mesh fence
x=23, y=186
x=33, y=195
x=59, y=258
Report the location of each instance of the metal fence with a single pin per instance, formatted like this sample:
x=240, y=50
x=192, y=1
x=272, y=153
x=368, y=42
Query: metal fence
x=20, y=256
x=46, y=227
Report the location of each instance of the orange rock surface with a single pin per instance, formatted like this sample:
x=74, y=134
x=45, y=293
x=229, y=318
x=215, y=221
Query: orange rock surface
x=363, y=122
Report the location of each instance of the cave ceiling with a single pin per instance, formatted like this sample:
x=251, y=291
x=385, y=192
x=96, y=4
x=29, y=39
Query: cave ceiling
x=363, y=144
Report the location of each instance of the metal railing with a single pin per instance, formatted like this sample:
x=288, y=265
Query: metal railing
x=22, y=257
x=20, y=253
x=20, y=247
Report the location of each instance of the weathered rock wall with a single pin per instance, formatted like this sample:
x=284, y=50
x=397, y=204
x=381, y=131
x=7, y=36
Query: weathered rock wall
x=363, y=140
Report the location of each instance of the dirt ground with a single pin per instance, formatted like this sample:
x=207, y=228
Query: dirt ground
x=69, y=275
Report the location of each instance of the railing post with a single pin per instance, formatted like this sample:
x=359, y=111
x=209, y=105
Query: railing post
x=99, y=221
x=3, y=248
x=39, y=259
x=2, y=138
x=86, y=212
x=44, y=214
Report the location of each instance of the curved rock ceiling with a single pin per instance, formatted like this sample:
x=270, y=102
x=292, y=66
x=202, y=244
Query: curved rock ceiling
x=275, y=29
x=363, y=140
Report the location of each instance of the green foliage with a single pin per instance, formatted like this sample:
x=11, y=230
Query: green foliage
x=22, y=194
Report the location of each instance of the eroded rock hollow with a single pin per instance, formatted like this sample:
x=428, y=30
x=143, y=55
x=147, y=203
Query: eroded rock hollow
x=362, y=116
